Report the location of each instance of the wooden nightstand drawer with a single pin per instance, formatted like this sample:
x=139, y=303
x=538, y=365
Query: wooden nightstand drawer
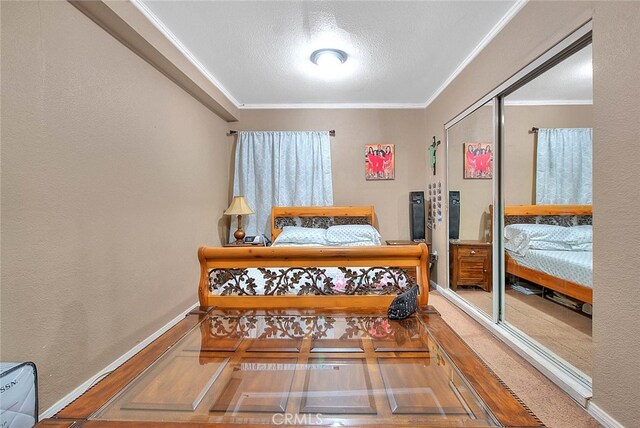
x=473, y=251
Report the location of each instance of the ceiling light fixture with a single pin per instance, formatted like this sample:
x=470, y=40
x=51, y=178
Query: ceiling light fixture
x=328, y=58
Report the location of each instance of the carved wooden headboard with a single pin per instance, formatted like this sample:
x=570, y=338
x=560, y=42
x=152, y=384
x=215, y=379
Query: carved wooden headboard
x=319, y=217
x=562, y=215
x=572, y=215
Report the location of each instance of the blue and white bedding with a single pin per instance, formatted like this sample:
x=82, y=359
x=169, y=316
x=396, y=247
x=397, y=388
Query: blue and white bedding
x=334, y=236
x=574, y=266
x=559, y=251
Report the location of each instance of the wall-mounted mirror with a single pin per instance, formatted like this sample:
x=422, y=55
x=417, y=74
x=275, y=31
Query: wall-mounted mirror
x=547, y=162
x=470, y=175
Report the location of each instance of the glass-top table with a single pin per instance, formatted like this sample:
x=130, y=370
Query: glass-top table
x=314, y=370
x=293, y=367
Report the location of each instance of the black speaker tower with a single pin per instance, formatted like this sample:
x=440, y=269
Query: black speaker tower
x=416, y=215
x=454, y=214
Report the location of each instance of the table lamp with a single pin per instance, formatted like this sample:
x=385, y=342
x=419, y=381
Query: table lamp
x=238, y=207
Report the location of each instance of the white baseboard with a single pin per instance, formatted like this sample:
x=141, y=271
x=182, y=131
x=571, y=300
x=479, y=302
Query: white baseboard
x=66, y=400
x=602, y=417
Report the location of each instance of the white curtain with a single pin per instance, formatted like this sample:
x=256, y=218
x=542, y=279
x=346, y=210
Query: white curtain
x=281, y=169
x=564, y=166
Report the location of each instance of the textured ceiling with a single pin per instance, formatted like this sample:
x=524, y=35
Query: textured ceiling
x=400, y=53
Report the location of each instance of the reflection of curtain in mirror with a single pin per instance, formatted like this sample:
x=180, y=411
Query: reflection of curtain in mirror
x=281, y=169
x=564, y=166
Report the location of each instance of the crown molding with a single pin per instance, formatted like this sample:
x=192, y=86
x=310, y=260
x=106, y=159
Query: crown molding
x=202, y=94
x=335, y=106
x=130, y=26
x=183, y=49
x=513, y=11
x=202, y=69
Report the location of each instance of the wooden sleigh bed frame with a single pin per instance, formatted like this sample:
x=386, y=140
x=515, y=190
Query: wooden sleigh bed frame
x=571, y=289
x=412, y=259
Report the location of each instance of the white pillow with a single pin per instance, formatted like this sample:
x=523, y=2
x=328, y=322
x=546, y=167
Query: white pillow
x=295, y=235
x=353, y=234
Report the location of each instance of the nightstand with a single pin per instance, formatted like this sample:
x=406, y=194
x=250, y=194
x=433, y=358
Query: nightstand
x=470, y=264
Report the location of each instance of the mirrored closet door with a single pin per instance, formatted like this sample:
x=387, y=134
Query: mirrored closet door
x=519, y=211
x=470, y=181
x=547, y=161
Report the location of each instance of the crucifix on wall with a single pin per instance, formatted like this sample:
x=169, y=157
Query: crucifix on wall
x=432, y=154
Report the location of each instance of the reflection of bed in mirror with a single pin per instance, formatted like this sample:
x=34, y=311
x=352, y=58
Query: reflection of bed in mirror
x=564, y=266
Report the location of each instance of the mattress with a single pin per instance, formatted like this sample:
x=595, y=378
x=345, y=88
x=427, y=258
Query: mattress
x=574, y=266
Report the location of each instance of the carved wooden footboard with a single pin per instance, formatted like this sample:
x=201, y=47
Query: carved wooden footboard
x=295, y=276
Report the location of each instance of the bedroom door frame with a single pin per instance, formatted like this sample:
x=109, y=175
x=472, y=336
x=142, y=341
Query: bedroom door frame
x=567, y=377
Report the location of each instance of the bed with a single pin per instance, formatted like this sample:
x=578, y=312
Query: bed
x=568, y=270
x=318, y=275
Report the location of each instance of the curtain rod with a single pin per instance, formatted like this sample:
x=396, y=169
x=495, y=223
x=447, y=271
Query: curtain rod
x=533, y=130
x=332, y=133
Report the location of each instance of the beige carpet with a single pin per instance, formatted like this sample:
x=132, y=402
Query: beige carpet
x=549, y=403
x=563, y=331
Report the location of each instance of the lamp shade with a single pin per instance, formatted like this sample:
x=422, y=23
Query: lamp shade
x=238, y=207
